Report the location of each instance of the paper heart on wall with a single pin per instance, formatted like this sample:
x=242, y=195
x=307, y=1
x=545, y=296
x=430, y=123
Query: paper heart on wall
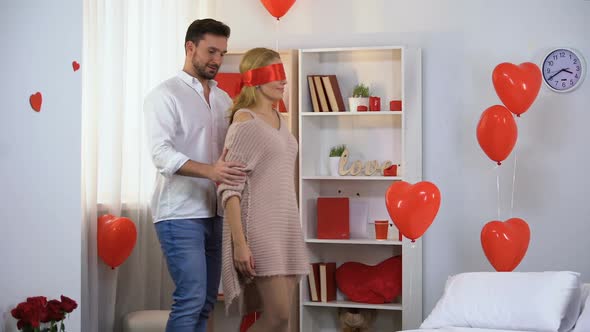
x=36, y=100
x=412, y=207
x=517, y=86
x=278, y=8
x=371, y=284
x=75, y=65
x=505, y=243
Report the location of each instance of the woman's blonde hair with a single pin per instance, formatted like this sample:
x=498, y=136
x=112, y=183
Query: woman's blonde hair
x=254, y=58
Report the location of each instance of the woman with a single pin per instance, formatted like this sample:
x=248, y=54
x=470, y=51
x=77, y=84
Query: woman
x=263, y=251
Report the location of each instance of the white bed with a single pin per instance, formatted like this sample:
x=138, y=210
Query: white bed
x=511, y=302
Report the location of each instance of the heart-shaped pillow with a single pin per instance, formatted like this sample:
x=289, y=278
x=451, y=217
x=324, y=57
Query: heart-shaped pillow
x=371, y=284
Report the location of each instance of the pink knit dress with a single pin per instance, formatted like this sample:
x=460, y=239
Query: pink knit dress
x=270, y=216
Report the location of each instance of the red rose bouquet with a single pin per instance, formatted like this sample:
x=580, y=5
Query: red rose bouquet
x=39, y=315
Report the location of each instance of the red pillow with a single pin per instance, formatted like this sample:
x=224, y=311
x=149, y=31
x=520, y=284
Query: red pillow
x=381, y=283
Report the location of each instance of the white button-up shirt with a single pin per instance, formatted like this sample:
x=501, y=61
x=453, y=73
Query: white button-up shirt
x=180, y=126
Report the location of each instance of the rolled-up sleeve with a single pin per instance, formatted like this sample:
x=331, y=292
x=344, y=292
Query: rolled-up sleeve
x=161, y=123
x=241, y=147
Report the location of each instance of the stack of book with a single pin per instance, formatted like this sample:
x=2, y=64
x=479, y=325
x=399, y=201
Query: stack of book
x=325, y=93
x=322, y=282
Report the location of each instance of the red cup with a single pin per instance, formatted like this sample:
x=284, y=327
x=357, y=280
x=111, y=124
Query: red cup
x=381, y=227
x=374, y=104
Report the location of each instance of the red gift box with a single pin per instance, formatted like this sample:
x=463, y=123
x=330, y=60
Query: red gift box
x=395, y=105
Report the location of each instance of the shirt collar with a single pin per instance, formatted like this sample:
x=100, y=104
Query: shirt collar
x=194, y=82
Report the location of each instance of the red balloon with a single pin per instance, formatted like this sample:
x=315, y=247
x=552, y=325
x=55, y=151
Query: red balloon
x=278, y=8
x=412, y=207
x=505, y=243
x=116, y=237
x=497, y=133
x=517, y=86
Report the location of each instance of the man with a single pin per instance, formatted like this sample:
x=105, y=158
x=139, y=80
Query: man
x=186, y=123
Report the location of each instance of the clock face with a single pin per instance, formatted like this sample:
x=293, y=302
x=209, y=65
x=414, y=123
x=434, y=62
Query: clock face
x=563, y=70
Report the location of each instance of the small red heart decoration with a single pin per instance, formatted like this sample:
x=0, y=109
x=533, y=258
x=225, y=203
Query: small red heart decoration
x=371, y=284
x=517, y=86
x=505, y=243
x=75, y=65
x=412, y=207
x=36, y=100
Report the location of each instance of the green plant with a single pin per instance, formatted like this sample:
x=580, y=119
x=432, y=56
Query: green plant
x=360, y=91
x=337, y=151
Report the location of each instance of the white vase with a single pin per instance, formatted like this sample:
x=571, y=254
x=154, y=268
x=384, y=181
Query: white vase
x=354, y=103
x=334, y=163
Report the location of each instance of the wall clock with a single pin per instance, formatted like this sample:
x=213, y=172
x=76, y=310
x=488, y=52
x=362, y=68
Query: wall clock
x=563, y=69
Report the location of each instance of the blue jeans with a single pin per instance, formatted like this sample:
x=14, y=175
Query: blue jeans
x=192, y=248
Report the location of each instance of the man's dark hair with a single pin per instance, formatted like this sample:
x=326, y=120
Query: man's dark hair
x=199, y=28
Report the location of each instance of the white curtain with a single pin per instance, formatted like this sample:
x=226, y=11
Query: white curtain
x=129, y=47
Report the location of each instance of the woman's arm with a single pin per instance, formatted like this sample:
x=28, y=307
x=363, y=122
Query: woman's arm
x=243, y=260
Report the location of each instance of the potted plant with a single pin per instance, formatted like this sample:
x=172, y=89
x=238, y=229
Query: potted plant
x=360, y=97
x=335, y=153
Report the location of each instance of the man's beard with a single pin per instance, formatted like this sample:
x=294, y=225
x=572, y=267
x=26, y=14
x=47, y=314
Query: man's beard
x=203, y=71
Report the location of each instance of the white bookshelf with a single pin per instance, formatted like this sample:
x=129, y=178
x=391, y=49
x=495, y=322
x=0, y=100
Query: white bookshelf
x=392, y=73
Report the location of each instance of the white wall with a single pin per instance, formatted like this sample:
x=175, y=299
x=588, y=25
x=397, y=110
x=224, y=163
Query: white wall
x=40, y=205
x=462, y=42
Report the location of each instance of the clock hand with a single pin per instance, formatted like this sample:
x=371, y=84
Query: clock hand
x=567, y=71
x=562, y=69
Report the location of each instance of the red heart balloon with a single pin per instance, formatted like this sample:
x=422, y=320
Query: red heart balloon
x=412, y=207
x=278, y=8
x=497, y=132
x=116, y=237
x=75, y=65
x=505, y=243
x=36, y=100
x=371, y=284
x=517, y=86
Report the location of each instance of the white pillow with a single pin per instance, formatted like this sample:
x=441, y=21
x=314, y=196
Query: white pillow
x=531, y=301
x=583, y=323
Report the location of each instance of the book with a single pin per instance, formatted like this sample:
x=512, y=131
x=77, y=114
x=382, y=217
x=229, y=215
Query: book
x=319, y=88
x=333, y=218
x=328, y=282
x=315, y=104
x=333, y=93
x=314, y=282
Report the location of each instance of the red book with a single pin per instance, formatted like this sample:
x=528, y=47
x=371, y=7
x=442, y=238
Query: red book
x=328, y=282
x=333, y=219
x=314, y=282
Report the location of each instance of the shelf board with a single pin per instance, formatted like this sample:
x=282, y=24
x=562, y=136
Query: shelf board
x=356, y=241
x=349, y=49
x=350, y=304
x=322, y=114
x=353, y=178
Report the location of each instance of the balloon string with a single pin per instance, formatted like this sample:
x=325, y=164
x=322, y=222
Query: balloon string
x=513, y=179
x=498, y=189
x=277, y=35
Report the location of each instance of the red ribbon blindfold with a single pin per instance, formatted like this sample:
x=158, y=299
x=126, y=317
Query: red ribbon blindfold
x=262, y=75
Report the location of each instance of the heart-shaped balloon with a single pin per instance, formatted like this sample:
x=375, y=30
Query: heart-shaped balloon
x=116, y=237
x=505, y=243
x=75, y=65
x=412, y=207
x=497, y=133
x=36, y=100
x=371, y=284
x=517, y=86
x=278, y=8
